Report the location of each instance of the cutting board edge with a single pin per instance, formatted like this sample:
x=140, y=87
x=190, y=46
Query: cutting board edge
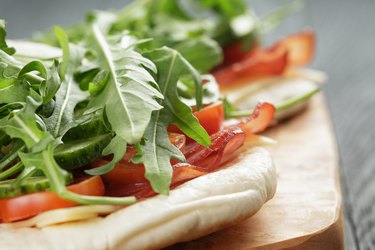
x=338, y=218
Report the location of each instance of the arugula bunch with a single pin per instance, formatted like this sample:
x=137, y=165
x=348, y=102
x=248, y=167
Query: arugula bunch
x=105, y=76
x=123, y=76
x=198, y=29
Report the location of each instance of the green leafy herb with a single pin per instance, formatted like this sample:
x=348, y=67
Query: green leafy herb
x=183, y=25
x=11, y=89
x=3, y=44
x=210, y=91
x=69, y=93
x=117, y=147
x=17, y=146
x=202, y=53
x=21, y=123
x=157, y=151
x=129, y=96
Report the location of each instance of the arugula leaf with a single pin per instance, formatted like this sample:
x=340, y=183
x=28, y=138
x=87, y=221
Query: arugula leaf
x=63, y=40
x=11, y=88
x=202, y=53
x=3, y=44
x=117, y=147
x=157, y=151
x=69, y=93
x=210, y=90
x=229, y=9
x=16, y=79
x=49, y=87
x=49, y=82
x=21, y=123
x=129, y=95
x=171, y=66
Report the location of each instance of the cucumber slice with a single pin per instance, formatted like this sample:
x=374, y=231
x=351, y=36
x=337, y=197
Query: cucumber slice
x=88, y=129
x=32, y=184
x=75, y=154
x=288, y=94
x=29, y=185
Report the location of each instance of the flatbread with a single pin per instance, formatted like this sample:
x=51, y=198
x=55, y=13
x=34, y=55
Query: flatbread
x=196, y=208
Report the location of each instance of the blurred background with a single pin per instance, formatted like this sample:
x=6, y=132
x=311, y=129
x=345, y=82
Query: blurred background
x=345, y=50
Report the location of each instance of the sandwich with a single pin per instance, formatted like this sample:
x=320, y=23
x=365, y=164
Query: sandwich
x=135, y=133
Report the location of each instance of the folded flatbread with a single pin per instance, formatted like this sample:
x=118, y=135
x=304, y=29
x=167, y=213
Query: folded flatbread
x=194, y=209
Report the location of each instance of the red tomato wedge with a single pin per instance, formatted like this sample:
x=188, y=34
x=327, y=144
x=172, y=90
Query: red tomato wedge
x=182, y=172
x=294, y=50
x=210, y=117
x=122, y=173
x=28, y=205
x=128, y=172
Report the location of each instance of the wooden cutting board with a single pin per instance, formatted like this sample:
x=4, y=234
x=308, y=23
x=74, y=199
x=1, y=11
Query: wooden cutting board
x=306, y=211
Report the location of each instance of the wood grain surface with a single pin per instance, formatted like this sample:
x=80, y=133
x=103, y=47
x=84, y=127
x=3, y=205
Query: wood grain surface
x=306, y=210
x=346, y=39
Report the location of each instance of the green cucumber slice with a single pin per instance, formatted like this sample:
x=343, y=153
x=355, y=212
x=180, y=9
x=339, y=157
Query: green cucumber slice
x=29, y=185
x=75, y=154
x=288, y=94
x=88, y=129
x=32, y=184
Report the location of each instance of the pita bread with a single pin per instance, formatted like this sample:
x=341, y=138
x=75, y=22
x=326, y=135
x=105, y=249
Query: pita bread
x=196, y=208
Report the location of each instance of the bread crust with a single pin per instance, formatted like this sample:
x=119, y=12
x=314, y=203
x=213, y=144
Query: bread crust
x=192, y=210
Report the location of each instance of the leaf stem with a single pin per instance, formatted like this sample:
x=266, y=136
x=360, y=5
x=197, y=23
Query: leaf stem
x=54, y=174
x=11, y=171
x=12, y=154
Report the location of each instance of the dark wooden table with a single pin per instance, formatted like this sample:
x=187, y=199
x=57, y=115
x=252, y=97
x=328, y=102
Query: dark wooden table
x=346, y=41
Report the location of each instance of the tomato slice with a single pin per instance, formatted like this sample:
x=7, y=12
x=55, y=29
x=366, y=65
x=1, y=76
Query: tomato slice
x=125, y=173
x=28, y=205
x=182, y=172
x=128, y=172
x=210, y=117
